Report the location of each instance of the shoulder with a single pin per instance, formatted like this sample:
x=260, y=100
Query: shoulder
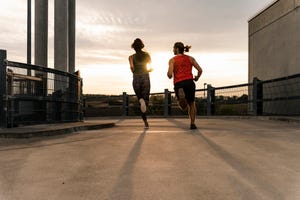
x=130, y=58
x=190, y=58
x=172, y=60
x=146, y=53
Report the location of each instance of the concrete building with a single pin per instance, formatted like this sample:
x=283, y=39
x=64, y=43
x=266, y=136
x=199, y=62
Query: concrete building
x=274, y=41
x=274, y=46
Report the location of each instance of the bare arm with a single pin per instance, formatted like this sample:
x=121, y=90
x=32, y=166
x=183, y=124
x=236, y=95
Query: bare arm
x=131, y=63
x=197, y=66
x=171, y=68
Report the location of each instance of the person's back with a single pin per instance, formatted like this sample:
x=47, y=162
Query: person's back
x=182, y=68
x=140, y=61
x=141, y=81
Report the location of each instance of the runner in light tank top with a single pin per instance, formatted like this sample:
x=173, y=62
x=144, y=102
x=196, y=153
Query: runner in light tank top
x=141, y=81
x=180, y=68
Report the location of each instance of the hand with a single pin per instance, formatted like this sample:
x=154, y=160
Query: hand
x=150, y=70
x=196, y=78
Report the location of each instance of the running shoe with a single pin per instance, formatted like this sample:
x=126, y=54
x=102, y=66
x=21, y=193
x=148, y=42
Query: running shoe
x=146, y=125
x=193, y=126
x=143, y=105
x=181, y=99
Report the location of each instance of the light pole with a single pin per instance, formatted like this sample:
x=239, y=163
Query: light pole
x=28, y=43
x=28, y=31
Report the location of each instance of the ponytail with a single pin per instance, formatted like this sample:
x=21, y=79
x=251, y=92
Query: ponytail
x=187, y=48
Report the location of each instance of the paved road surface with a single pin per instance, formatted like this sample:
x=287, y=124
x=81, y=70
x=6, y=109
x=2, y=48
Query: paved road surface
x=225, y=159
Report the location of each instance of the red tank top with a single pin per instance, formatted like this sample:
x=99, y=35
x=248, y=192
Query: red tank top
x=182, y=68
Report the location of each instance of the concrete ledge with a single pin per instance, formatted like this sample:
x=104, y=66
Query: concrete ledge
x=51, y=129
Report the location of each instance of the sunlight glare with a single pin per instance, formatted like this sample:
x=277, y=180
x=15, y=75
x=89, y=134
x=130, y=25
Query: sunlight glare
x=219, y=69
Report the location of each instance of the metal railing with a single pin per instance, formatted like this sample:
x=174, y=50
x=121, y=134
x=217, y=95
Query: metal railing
x=32, y=94
x=271, y=97
x=281, y=96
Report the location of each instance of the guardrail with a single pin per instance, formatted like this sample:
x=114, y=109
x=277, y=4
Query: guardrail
x=271, y=97
x=32, y=94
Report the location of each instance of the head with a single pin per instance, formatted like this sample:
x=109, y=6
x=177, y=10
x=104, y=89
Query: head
x=179, y=48
x=138, y=44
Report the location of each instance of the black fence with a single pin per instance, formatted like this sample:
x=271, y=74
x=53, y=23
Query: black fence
x=33, y=94
x=271, y=97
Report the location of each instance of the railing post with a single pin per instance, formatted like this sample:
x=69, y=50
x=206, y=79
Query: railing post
x=3, y=89
x=210, y=100
x=167, y=104
x=257, y=97
x=125, y=104
x=81, y=99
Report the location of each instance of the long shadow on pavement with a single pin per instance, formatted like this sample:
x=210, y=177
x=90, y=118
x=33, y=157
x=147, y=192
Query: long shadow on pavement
x=124, y=187
x=254, y=176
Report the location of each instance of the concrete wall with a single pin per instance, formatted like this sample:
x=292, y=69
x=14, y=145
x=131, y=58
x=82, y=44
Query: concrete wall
x=274, y=46
x=274, y=41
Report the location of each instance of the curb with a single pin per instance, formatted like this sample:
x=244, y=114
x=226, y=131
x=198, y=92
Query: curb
x=54, y=132
x=285, y=119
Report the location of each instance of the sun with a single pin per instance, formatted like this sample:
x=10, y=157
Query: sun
x=160, y=64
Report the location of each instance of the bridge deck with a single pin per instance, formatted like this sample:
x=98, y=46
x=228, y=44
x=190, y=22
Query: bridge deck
x=225, y=159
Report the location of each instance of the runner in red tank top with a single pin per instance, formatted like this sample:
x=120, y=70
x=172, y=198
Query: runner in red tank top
x=180, y=66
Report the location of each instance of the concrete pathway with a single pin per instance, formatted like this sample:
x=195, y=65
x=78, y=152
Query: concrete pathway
x=225, y=159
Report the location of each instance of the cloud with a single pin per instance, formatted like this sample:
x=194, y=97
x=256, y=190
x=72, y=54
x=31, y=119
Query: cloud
x=213, y=25
x=105, y=29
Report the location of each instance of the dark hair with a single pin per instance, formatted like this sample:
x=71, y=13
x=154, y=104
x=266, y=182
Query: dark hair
x=181, y=47
x=138, y=44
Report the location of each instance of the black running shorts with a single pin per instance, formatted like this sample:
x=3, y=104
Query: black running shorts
x=189, y=88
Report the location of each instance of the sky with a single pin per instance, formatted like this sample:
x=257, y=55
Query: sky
x=216, y=30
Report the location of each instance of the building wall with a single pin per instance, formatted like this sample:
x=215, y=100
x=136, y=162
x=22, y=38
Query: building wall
x=274, y=46
x=274, y=41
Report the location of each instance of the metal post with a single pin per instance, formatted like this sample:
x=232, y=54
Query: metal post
x=167, y=105
x=210, y=100
x=29, y=44
x=257, y=97
x=3, y=92
x=82, y=102
x=125, y=104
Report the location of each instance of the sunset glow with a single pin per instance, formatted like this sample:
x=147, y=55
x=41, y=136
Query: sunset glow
x=106, y=29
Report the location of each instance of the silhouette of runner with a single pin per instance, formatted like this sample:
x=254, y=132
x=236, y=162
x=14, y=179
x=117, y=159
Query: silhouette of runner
x=180, y=68
x=141, y=81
